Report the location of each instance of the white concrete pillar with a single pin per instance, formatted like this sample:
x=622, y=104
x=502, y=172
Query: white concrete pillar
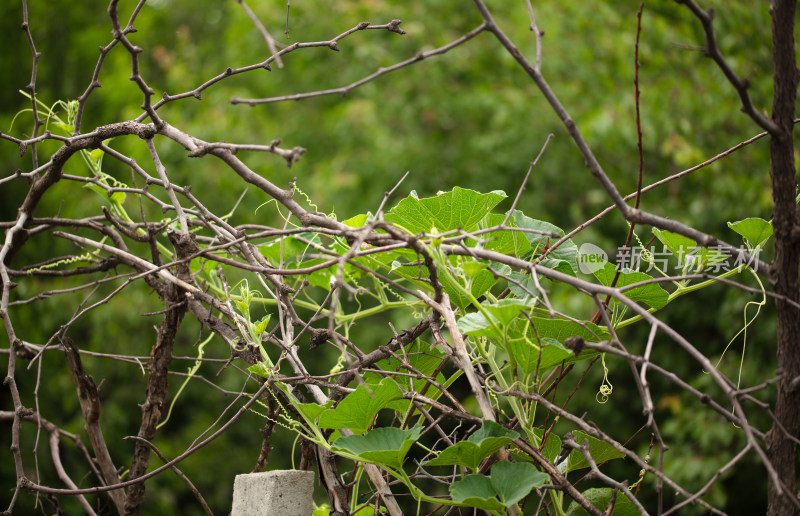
x=274, y=493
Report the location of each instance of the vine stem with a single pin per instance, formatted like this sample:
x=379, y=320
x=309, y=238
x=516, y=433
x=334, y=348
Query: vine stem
x=460, y=354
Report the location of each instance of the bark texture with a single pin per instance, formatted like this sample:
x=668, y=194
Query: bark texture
x=780, y=446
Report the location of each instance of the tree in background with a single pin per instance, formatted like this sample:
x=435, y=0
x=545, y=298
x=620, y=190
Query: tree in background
x=445, y=345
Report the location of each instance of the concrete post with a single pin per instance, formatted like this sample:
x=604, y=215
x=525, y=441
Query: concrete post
x=274, y=493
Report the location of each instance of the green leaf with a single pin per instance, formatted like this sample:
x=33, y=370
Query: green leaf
x=481, y=283
x=600, y=498
x=99, y=190
x=553, y=354
x=473, y=267
x=482, y=280
x=755, y=230
x=696, y=257
x=321, y=278
x=358, y=221
x=689, y=254
x=358, y=409
x=560, y=329
x=420, y=358
x=199, y=264
x=507, y=242
x=564, y=258
x=67, y=128
x=261, y=369
x=601, y=451
x=380, y=446
x=509, y=482
x=470, y=453
x=526, y=354
x=558, y=265
x=118, y=197
x=506, y=310
x=477, y=325
x=513, y=481
x=458, y=208
x=96, y=155
x=261, y=325
x=678, y=245
x=552, y=446
x=526, y=281
x=323, y=510
x=475, y=491
x=652, y=295
x=310, y=411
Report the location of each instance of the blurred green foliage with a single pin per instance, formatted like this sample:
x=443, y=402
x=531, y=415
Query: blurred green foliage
x=469, y=118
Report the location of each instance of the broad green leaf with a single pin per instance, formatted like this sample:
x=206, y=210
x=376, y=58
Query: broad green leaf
x=96, y=155
x=507, y=242
x=476, y=491
x=689, y=253
x=513, y=481
x=586, y=354
x=652, y=295
x=261, y=325
x=477, y=325
x=458, y=208
x=506, y=310
x=552, y=446
x=310, y=411
x=526, y=354
x=67, y=128
x=412, y=273
x=558, y=265
x=470, y=453
x=370, y=511
x=523, y=280
x=322, y=278
x=358, y=221
x=481, y=283
x=489, y=430
x=118, y=197
x=560, y=329
x=601, y=452
x=99, y=190
x=377, y=260
x=199, y=264
x=566, y=252
x=678, y=245
x=359, y=407
x=755, y=230
x=420, y=358
x=600, y=498
x=510, y=482
x=261, y=369
x=380, y=446
x=553, y=354
x=473, y=267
